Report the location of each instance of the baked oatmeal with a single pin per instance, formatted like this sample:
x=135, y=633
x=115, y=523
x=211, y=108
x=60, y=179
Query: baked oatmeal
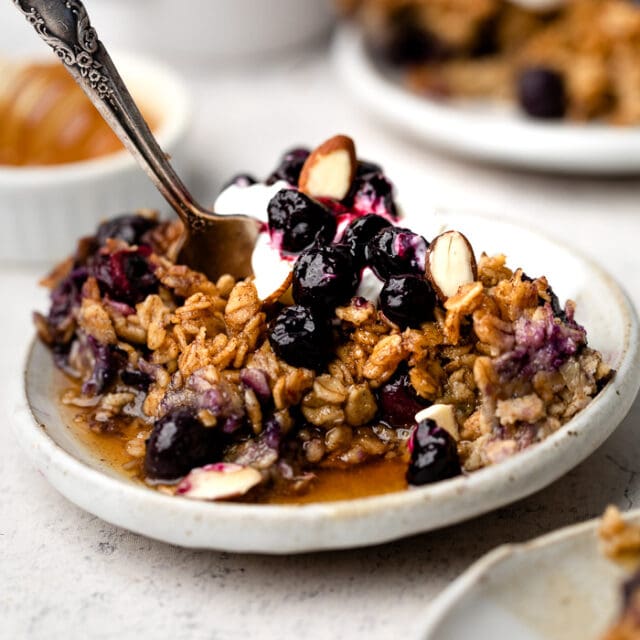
x=579, y=60
x=358, y=345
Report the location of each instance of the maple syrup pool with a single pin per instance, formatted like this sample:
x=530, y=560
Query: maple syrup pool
x=330, y=484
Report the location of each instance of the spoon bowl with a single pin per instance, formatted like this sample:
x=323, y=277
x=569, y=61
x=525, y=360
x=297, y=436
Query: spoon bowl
x=210, y=243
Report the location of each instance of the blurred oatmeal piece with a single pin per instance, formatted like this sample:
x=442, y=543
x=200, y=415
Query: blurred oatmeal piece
x=481, y=49
x=621, y=541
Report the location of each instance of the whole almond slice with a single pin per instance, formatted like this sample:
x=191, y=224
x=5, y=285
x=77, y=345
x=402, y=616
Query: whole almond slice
x=329, y=170
x=272, y=274
x=443, y=416
x=450, y=263
x=218, y=481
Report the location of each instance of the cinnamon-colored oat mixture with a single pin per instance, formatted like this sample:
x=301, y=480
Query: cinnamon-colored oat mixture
x=512, y=363
x=483, y=48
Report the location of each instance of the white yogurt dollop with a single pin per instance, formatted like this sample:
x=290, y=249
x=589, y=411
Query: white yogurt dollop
x=270, y=269
x=248, y=201
x=370, y=286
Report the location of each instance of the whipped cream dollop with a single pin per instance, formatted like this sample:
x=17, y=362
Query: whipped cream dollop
x=272, y=267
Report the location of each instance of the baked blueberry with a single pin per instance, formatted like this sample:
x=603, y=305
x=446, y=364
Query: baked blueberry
x=398, y=401
x=290, y=166
x=541, y=93
x=178, y=443
x=126, y=276
x=396, y=251
x=128, y=227
x=371, y=192
x=367, y=168
x=359, y=232
x=324, y=277
x=108, y=361
x=241, y=180
x=407, y=300
x=434, y=455
x=301, y=338
x=296, y=221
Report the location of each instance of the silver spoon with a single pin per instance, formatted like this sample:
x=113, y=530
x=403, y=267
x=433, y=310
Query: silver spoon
x=211, y=243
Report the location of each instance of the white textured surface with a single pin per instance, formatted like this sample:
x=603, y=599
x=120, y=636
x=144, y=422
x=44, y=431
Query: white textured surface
x=65, y=574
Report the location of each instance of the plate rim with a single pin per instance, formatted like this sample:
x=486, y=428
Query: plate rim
x=552, y=146
x=47, y=452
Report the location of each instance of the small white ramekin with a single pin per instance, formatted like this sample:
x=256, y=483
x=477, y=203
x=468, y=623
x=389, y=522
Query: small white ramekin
x=44, y=210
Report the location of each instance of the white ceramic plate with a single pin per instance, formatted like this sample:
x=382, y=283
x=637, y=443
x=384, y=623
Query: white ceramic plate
x=488, y=132
x=602, y=307
x=559, y=587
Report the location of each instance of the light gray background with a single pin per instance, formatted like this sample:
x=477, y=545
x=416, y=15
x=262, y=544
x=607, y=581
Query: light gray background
x=64, y=573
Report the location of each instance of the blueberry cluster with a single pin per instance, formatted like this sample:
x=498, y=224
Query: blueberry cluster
x=326, y=275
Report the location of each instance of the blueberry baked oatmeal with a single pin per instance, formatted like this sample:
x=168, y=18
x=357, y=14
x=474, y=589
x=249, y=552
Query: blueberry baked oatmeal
x=359, y=350
x=577, y=59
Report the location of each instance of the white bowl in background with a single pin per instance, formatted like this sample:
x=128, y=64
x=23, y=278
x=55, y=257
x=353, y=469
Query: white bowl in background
x=199, y=30
x=44, y=210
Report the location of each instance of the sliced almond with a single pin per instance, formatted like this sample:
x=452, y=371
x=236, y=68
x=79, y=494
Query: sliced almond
x=450, y=263
x=279, y=294
x=443, y=416
x=272, y=273
x=219, y=481
x=329, y=170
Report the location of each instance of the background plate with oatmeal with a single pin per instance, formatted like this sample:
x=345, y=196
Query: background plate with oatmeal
x=481, y=130
x=572, y=591
x=80, y=474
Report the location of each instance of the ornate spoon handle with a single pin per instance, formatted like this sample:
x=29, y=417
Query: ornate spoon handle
x=64, y=25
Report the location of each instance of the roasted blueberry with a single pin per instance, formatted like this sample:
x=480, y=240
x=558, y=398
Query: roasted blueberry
x=129, y=227
x=408, y=42
x=64, y=298
x=108, y=360
x=136, y=379
x=296, y=221
x=434, y=455
x=126, y=276
x=541, y=93
x=366, y=168
x=290, y=167
x=371, y=192
x=398, y=402
x=324, y=277
x=241, y=180
x=396, y=251
x=407, y=300
x=301, y=338
x=359, y=232
x=178, y=443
